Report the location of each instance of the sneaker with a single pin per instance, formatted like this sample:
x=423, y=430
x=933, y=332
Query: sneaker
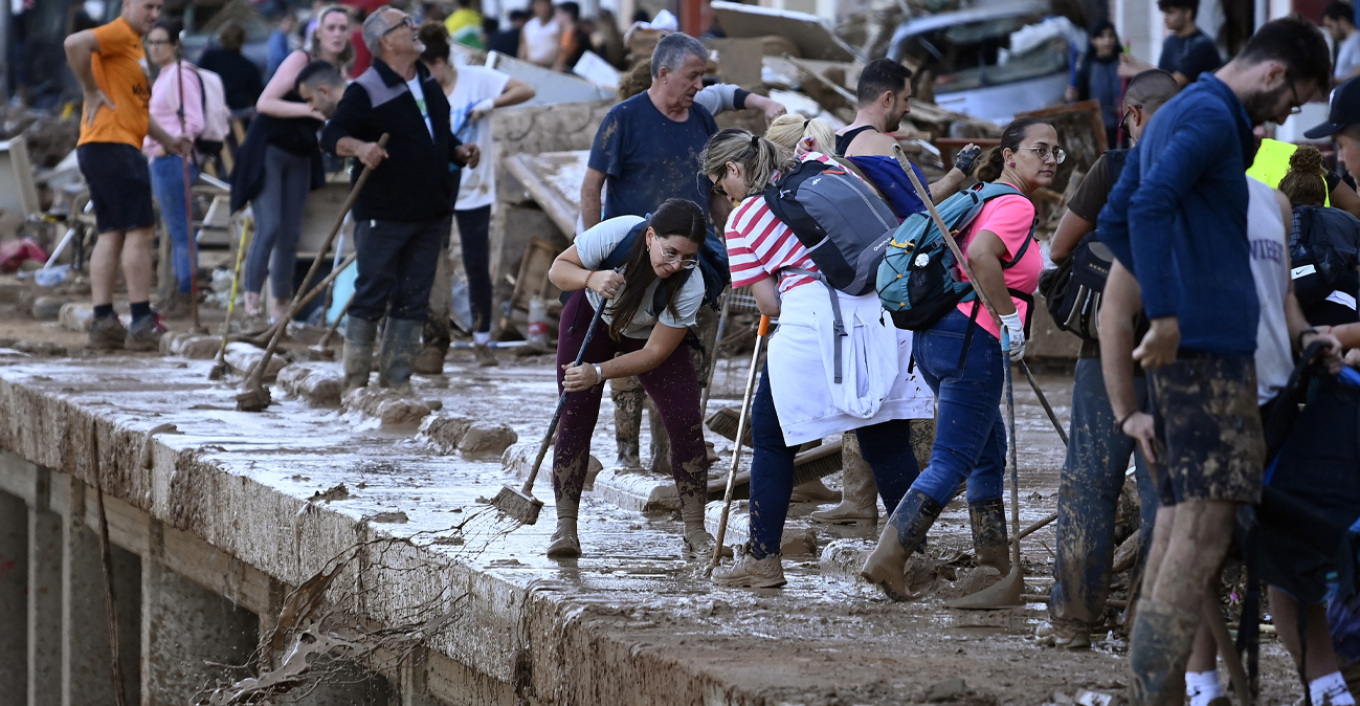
x=747, y=571
x=1068, y=636
x=484, y=357
x=107, y=334
x=429, y=361
x=145, y=334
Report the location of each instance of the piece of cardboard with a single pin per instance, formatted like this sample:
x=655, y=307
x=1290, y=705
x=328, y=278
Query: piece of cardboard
x=739, y=60
x=811, y=34
x=550, y=87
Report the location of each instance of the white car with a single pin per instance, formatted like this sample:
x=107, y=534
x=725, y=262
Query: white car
x=976, y=72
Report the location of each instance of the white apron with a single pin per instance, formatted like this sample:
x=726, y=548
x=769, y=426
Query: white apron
x=875, y=356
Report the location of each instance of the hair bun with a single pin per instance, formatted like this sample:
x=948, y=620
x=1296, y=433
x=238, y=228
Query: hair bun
x=1306, y=159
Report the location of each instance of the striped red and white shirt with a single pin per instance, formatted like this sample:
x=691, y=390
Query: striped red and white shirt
x=760, y=245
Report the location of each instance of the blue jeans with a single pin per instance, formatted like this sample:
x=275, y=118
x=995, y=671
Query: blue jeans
x=1088, y=495
x=167, y=182
x=886, y=447
x=970, y=438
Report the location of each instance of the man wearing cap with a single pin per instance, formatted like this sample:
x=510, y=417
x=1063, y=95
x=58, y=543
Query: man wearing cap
x=1343, y=126
x=405, y=212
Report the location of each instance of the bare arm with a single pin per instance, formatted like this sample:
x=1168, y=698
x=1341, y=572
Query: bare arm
x=985, y=255
x=591, y=188
x=80, y=50
x=1119, y=309
x=1070, y=231
x=368, y=152
x=947, y=185
x=1345, y=198
x=766, y=292
x=271, y=101
x=514, y=93
x=569, y=274
x=181, y=145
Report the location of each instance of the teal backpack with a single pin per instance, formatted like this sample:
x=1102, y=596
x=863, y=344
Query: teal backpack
x=916, y=280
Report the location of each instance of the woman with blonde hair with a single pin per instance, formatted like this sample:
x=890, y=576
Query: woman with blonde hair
x=802, y=135
x=287, y=164
x=797, y=400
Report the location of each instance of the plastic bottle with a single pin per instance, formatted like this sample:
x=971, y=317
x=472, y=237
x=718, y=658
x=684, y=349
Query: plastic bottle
x=538, y=323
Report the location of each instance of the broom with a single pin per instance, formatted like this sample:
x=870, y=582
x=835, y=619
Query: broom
x=220, y=367
x=521, y=504
x=761, y=333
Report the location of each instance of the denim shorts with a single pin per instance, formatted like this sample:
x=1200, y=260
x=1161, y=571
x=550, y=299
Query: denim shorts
x=120, y=186
x=1209, y=429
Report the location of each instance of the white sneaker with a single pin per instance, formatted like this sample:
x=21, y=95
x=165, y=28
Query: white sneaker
x=747, y=571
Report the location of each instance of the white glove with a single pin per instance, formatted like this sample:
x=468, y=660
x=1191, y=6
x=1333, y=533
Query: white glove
x=1014, y=334
x=481, y=109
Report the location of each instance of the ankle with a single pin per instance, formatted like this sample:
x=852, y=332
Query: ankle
x=104, y=311
x=140, y=310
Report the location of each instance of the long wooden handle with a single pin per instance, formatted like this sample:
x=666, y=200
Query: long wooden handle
x=562, y=401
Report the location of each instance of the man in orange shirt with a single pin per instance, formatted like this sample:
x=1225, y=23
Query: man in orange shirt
x=109, y=63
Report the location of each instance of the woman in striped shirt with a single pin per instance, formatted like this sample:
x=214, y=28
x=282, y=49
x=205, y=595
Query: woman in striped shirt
x=795, y=402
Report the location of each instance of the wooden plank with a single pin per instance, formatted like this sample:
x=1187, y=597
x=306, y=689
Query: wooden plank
x=536, y=173
x=23, y=176
x=532, y=281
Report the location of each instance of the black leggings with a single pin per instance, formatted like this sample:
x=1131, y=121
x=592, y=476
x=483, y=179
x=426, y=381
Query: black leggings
x=474, y=227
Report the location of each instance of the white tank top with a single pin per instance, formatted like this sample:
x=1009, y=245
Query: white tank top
x=1269, y=239
x=540, y=41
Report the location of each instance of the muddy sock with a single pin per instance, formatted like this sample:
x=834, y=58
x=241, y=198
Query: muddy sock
x=140, y=310
x=1330, y=689
x=481, y=338
x=692, y=512
x=1202, y=687
x=103, y=311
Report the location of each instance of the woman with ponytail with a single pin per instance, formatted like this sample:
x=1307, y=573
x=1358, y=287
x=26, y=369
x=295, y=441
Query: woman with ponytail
x=797, y=401
x=1327, y=239
x=962, y=359
x=649, y=303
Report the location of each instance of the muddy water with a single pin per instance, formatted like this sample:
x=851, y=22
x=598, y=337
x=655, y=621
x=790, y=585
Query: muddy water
x=823, y=639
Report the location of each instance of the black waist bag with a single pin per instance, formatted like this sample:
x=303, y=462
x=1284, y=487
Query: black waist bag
x=1072, y=292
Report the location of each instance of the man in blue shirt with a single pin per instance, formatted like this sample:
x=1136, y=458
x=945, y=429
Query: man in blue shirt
x=1186, y=53
x=1177, y=221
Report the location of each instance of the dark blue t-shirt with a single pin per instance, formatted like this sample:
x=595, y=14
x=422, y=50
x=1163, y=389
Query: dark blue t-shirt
x=648, y=158
x=1190, y=56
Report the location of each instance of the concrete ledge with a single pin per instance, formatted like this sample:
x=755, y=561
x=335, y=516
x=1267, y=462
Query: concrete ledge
x=639, y=492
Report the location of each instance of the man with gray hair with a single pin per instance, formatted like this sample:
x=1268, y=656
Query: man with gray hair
x=646, y=151
x=405, y=212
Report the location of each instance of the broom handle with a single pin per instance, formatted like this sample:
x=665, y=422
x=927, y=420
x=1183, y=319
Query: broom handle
x=1052, y=417
x=235, y=285
x=713, y=354
x=761, y=333
x=561, y=402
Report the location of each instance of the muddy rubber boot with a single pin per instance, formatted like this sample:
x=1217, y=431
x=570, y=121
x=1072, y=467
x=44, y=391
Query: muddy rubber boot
x=627, y=397
x=1159, y=645
x=565, y=544
x=859, y=493
x=698, y=542
x=990, y=544
x=400, y=340
x=905, y=531
x=429, y=361
x=358, y=357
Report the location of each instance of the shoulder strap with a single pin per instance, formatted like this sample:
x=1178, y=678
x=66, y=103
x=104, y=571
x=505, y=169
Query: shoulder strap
x=990, y=190
x=843, y=140
x=619, y=255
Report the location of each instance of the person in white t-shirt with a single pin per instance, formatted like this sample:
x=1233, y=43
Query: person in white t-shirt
x=541, y=36
x=1339, y=20
x=473, y=92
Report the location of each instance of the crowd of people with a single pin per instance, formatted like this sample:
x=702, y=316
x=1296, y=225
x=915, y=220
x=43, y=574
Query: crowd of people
x=1221, y=289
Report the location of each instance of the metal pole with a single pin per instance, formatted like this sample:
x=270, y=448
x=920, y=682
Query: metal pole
x=6, y=41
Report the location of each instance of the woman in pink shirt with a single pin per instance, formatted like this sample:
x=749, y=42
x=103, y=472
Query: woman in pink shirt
x=177, y=105
x=961, y=357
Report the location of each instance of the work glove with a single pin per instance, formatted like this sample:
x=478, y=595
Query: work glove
x=481, y=109
x=963, y=161
x=1013, y=335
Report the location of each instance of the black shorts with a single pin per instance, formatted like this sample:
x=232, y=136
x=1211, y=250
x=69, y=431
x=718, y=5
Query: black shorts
x=1209, y=429
x=120, y=186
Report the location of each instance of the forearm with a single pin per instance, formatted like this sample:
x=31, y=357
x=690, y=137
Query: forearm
x=634, y=363
x=1070, y=232
x=991, y=279
x=282, y=109
x=79, y=56
x=590, y=202
x=766, y=292
x=348, y=147
x=158, y=133
x=514, y=95
x=1116, y=366
x=947, y=185
x=1294, y=319
x=568, y=276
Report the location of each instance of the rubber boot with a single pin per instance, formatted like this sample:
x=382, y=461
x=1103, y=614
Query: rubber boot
x=627, y=395
x=1159, y=645
x=859, y=493
x=905, y=531
x=401, y=338
x=564, y=543
x=990, y=544
x=359, y=337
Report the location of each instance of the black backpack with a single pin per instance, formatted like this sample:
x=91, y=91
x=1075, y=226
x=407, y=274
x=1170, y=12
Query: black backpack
x=1072, y=291
x=1322, y=253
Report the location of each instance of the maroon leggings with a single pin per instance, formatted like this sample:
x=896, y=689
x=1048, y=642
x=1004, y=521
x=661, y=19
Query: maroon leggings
x=672, y=385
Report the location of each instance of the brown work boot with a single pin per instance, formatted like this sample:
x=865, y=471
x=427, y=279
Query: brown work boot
x=145, y=334
x=483, y=356
x=859, y=493
x=564, y=543
x=906, y=529
x=1063, y=634
x=814, y=491
x=429, y=361
x=107, y=334
x=747, y=571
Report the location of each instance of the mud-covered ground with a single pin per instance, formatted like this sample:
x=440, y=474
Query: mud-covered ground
x=826, y=638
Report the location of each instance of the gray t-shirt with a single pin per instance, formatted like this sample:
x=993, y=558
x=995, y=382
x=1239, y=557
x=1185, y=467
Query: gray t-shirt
x=594, y=245
x=1347, y=57
x=1270, y=268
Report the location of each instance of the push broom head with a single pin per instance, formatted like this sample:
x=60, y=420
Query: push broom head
x=520, y=506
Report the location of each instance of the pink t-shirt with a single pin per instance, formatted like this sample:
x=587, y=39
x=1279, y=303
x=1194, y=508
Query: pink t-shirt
x=760, y=245
x=165, y=102
x=1011, y=218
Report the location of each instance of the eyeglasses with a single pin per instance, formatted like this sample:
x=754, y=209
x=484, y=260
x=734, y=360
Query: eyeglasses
x=1124, y=121
x=1298, y=104
x=158, y=42
x=670, y=257
x=407, y=22
x=1058, y=153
